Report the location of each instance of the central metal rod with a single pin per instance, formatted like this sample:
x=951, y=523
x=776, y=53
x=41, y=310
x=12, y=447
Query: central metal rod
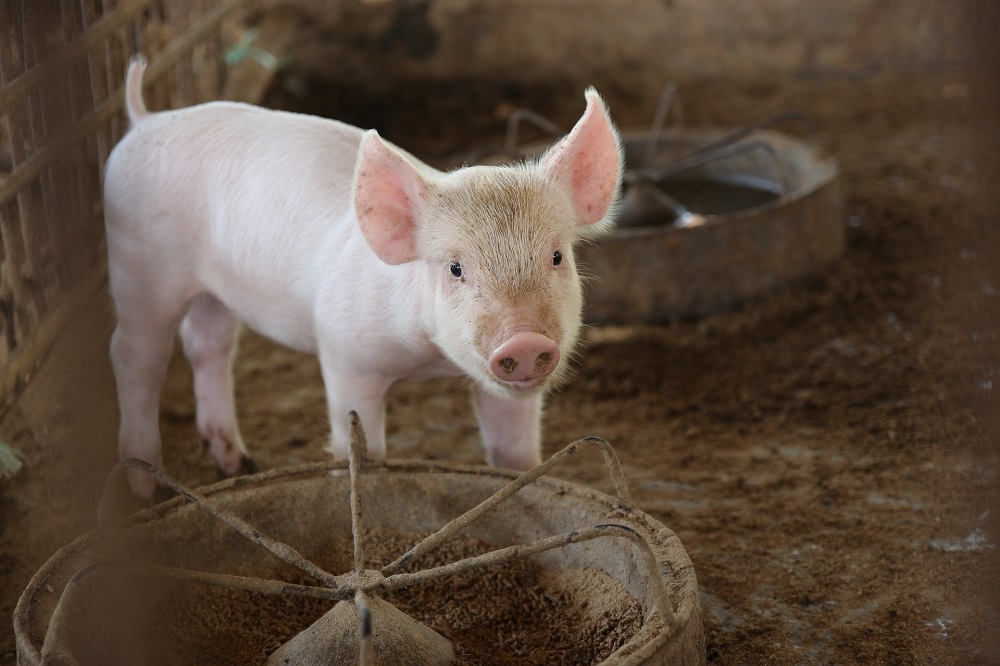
x=355, y=453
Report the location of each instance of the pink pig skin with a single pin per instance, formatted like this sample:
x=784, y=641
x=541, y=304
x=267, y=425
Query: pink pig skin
x=332, y=241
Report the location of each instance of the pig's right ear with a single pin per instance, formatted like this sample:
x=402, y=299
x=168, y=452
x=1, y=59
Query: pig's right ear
x=589, y=162
x=388, y=191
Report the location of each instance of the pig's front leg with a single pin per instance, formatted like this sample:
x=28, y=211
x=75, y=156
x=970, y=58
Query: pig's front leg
x=347, y=391
x=511, y=429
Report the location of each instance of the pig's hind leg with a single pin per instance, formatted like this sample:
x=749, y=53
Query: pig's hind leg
x=209, y=333
x=141, y=346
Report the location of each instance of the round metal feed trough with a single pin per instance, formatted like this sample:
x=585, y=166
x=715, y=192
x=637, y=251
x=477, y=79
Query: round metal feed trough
x=438, y=564
x=698, y=237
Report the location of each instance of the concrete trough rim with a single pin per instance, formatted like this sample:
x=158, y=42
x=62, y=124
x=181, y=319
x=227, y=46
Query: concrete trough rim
x=648, y=643
x=826, y=167
x=657, y=273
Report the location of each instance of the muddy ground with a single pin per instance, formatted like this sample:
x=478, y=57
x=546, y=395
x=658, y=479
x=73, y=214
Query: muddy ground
x=827, y=454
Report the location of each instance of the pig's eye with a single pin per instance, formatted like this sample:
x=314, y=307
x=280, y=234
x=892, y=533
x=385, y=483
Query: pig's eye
x=556, y=258
x=456, y=269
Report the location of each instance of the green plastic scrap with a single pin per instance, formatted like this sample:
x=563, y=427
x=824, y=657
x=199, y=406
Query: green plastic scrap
x=244, y=49
x=10, y=460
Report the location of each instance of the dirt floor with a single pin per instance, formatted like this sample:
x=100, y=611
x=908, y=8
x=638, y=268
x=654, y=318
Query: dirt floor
x=827, y=454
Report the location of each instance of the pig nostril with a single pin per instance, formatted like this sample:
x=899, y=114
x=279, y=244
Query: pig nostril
x=508, y=365
x=524, y=359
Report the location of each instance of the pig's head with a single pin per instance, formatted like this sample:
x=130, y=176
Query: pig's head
x=498, y=245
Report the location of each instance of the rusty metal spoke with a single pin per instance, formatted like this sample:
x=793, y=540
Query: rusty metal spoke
x=282, y=551
x=473, y=514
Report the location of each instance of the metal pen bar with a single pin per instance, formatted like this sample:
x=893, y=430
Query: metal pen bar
x=470, y=516
x=669, y=99
x=732, y=138
x=517, y=116
x=282, y=551
x=659, y=591
x=655, y=176
x=355, y=454
x=227, y=581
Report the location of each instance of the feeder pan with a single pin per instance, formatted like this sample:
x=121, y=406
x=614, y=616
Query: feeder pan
x=123, y=594
x=709, y=218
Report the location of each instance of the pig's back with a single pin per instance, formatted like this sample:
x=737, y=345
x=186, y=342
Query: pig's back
x=245, y=200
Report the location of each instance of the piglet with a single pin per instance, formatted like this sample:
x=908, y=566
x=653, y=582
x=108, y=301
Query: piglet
x=330, y=240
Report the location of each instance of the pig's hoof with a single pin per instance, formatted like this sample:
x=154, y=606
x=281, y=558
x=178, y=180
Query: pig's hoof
x=517, y=462
x=142, y=485
x=249, y=465
x=126, y=497
x=162, y=494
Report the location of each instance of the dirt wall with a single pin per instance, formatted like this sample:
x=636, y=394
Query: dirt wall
x=602, y=41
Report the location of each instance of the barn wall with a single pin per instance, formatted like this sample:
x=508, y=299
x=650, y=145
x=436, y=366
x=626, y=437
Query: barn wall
x=626, y=41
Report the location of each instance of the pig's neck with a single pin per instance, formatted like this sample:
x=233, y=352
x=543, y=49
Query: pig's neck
x=382, y=318
x=417, y=315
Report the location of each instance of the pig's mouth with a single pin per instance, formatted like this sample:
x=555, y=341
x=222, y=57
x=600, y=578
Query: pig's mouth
x=522, y=384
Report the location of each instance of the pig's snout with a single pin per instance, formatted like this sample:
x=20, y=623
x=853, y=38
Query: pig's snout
x=525, y=359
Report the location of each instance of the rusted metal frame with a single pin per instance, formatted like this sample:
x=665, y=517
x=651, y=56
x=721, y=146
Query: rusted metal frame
x=706, y=153
x=227, y=581
x=355, y=454
x=348, y=586
x=655, y=176
x=669, y=99
x=282, y=551
x=473, y=514
x=359, y=582
x=366, y=651
x=660, y=595
x=517, y=116
x=107, y=514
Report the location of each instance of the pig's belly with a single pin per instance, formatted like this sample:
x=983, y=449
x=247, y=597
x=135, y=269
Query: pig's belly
x=290, y=331
x=268, y=307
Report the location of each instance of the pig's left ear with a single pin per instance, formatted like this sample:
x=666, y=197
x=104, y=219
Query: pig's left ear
x=589, y=162
x=388, y=192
